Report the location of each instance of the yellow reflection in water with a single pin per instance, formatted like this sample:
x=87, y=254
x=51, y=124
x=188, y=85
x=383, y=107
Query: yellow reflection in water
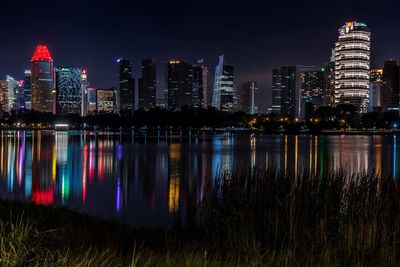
x=286, y=152
x=174, y=178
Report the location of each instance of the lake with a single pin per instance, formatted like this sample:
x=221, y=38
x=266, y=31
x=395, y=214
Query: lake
x=145, y=181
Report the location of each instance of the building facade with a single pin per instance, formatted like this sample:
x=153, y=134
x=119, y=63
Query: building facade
x=28, y=89
x=276, y=91
x=148, y=84
x=179, y=79
x=390, y=86
x=224, y=89
x=42, y=78
x=91, y=101
x=248, y=97
x=68, y=90
x=375, y=90
x=126, y=87
x=106, y=101
x=312, y=90
x=352, y=65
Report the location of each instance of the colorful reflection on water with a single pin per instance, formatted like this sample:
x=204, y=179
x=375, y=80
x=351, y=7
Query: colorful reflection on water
x=143, y=182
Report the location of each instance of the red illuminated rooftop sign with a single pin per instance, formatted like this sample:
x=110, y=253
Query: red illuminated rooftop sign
x=41, y=53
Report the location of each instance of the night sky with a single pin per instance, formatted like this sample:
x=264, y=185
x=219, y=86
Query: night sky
x=254, y=35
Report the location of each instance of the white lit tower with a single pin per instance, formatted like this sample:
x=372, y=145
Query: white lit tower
x=352, y=65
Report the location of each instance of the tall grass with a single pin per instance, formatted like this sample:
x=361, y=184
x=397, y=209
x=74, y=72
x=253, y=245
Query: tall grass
x=354, y=217
x=246, y=218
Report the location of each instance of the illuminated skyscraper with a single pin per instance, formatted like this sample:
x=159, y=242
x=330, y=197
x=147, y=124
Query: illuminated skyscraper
x=28, y=90
x=179, y=79
x=276, y=91
x=147, y=84
x=390, y=86
x=85, y=85
x=106, y=101
x=126, y=90
x=224, y=89
x=248, y=97
x=42, y=80
x=375, y=90
x=200, y=85
x=352, y=65
x=68, y=90
x=11, y=96
x=91, y=101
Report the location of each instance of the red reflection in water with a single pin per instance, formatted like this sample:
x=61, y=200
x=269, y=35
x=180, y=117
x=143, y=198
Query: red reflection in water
x=84, y=169
x=40, y=196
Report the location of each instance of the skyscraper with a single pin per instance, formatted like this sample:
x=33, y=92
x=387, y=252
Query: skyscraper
x=68, y=90
x=312, y=91
x=179, y=79
x=223, y=87
x=375, y=90
x=248, y=97
x=106, y=99
x=11, y=96
x=352, y=65
x=3, y=95
x=289, y=91
x=198, y=87
x=126, y=90
x=42, y=80
x=148, y=84
x=390, y=86
x=276, y=91
x=91, y=101
x=28, y=89
x=295, y=86
x=85, y=85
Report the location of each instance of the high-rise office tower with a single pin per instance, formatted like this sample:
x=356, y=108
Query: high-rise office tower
x=248, y=97
x=148, y=84
x=91, y=101
x=85, y=85
x=179, y=79
x=126, y=90
x=312, y=91
x=352, y=65
x=68, y=90
x=276, y=91
x=106, y=99
x=200, y=85
x=224, y=89
x=28, y=89
x=329, y=81
x=375, y=90
x=3, y=95
x=390, y=86
x=10, y=97
x=295, y=86
x=42, y=80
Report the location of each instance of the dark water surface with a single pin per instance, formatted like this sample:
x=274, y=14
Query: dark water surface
x=144, y=182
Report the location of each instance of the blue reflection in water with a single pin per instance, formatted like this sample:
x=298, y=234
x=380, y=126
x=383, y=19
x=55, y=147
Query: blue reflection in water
x=394, y=156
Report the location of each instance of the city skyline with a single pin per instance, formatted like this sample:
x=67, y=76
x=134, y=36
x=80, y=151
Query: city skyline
x=254, y=46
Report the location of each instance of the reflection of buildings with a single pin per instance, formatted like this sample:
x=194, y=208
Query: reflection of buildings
x=42, y=162
x=174, y=177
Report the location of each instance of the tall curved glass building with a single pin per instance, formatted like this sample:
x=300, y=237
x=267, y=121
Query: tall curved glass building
x=352, y=65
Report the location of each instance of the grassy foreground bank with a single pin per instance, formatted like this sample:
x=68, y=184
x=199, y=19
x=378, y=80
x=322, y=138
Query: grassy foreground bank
x=249, y=218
